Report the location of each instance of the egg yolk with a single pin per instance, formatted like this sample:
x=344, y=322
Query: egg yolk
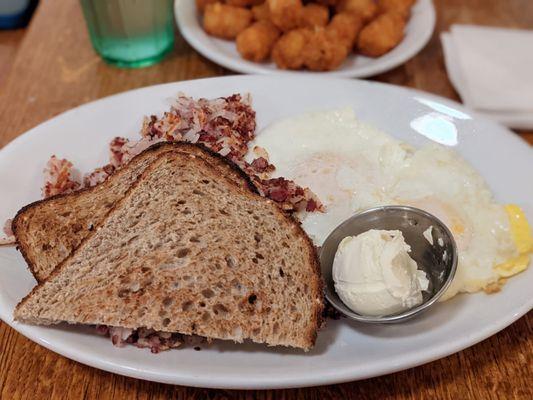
x=448, y=215
x=523, y=241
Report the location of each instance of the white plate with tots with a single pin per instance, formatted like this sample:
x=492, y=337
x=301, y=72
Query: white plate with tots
x=356, y=145
x=418, y=31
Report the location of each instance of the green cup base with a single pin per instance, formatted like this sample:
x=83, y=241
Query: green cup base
x=145, y=62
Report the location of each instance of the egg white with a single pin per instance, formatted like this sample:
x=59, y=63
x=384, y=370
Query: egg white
x=352, y=166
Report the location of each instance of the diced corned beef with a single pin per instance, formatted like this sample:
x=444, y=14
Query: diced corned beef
x=154, y=340
x=207, y=138
x=311, y=205
x=119, y=335
x=116, y=150
x=102, y=330
x=98, y=175
x=291, y=196
x=7, y=227
x=10, y=237
x=58, y=177
x=278, y=194
x=123, y=150
x=260, y=164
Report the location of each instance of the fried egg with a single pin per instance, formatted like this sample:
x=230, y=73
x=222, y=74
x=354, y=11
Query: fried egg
x=352, y=166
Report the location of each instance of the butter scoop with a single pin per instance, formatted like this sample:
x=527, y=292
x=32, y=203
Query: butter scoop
x=374, y=274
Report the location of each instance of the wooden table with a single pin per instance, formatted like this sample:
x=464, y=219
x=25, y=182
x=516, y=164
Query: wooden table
x=54, y=69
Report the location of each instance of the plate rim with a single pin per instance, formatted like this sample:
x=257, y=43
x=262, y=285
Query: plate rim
x=220, y=382
x=442, y=350
x=189, y=28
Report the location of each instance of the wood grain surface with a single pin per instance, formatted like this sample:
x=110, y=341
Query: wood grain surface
x=54, y=68
x=9, y=44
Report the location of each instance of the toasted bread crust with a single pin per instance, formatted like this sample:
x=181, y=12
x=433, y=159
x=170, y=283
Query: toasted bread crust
x=162, y=147
x=317, y=289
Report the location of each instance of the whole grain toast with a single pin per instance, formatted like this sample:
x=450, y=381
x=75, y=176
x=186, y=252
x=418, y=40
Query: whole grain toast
x=187, y=250
x=47, y=231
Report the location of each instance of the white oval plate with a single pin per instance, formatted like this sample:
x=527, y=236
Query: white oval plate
x=223, y=52
x=345, y=350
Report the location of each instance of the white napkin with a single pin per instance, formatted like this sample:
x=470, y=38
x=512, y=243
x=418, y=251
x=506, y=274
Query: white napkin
x=492, y=70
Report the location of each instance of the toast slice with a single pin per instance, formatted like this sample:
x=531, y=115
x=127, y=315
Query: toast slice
x=187, y=250
x=47, y=231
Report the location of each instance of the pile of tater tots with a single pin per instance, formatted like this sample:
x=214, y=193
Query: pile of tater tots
x=317, y=35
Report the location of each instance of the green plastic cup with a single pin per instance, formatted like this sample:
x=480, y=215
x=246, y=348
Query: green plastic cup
x=130, y=33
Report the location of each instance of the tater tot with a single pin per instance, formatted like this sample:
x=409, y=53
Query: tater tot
x=328, y=3
x=200, y=4
x=285, y=14
x=323, y=52
x=261, y=12
x=381, y=35
x=314, y=15
x=346, y=27
x=366, y=9
x=226, y=21
x=244, y=3
x=288, y=51
x=402, y=7
x=255, y=42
